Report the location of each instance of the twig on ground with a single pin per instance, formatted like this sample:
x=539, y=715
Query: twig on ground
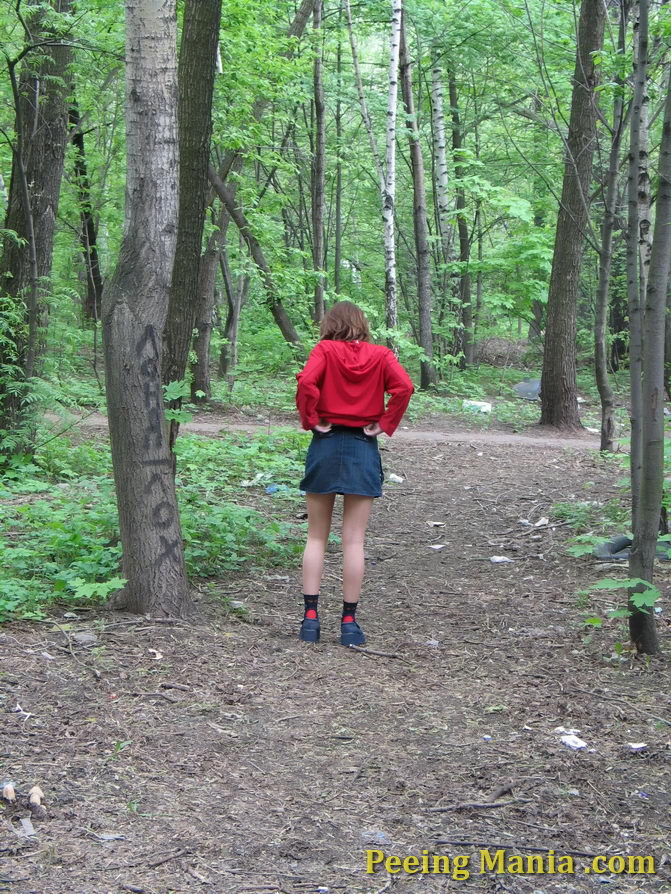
x=621, y=701
x=379, y=654
x=477, y=805
x=505, y=789
x=69, y=649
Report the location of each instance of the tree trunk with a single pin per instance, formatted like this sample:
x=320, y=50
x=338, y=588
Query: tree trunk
x=40, y=95
x=605, y=257
x=318, y=168
x=641, y=563
x=197, y=67
x=135, y=305
x=337, y=261
x=274, y=302
x=441, y=175
x=389, y=193
x=421, y=226
x=637, y=174
x=559, y=392
x=465, y=297
x=88, y=233
x=201, y=385
x=387, y=174
x=236, y=293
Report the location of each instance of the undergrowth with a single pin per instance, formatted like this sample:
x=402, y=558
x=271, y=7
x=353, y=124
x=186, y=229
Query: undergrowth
x=59, y=535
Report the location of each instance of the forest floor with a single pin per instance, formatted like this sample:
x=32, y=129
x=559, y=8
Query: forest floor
x=224, y=755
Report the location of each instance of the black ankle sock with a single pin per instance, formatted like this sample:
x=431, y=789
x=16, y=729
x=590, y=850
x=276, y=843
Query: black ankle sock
x=311, y=603
x=349, y=610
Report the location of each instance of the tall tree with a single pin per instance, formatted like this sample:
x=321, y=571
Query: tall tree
x=197, y=66
x=386, y=173
x=465, y=296
x=637, y=179
x=40, y=89
x=135, y=307
x=88, y=232
x=646, y=525
x=318, y=166
x=421, y=224
x=610, y=191
x=559, y=393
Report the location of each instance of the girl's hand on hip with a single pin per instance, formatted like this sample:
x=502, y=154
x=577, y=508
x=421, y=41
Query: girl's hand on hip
x=323, y=427
x=373, y=429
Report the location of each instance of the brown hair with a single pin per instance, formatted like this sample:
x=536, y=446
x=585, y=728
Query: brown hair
x=345, y=322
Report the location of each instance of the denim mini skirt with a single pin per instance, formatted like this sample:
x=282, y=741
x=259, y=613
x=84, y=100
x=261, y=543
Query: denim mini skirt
x=343, y=460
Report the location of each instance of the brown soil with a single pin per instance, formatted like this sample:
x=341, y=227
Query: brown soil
x=226, y=756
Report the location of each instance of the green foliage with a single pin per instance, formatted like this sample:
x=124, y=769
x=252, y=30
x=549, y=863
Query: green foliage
x=58, y=519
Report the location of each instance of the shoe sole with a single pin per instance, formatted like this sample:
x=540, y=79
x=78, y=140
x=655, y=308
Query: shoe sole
x=309, y=634
x=352, y=639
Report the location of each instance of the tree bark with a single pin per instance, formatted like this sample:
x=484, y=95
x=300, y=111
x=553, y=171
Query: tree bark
x=197, y=68
x=389, y=194
x=88, y=233
x=441, y=174
x=606, y=254
x=318, y=168
x=559, y=392
x=641, y=563
x=337, y=261
x=135, y=305
x=236, y=294
x=274, y=302
x=637, y=174
x=421, y=226
x=201, y=385
x=40, y=94
x=465, y=296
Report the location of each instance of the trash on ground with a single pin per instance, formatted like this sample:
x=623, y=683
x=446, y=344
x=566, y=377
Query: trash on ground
x=569, y=738
x=437, y=545
x=477, y=406
x=274, y=488
x=259, y=478
x=395, y=478
x=500, y=560
x=27, y=828
x=528, y=389
x=8, y=792
x=433, y=524
x=619, y=548
x=637, y=746
x=542, y=522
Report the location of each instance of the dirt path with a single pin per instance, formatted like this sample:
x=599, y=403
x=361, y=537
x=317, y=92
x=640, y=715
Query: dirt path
x=226, y=756
x=213, y=425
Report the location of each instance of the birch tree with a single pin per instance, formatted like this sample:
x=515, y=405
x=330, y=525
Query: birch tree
x=387, y=173
x=421, y=225
x=135, y=306
x=318, y=166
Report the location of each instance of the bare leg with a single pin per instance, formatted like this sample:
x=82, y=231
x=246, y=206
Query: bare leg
x=320, y=510
x=355, y=520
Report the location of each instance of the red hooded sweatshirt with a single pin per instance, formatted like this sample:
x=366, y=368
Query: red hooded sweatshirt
x=344, y=383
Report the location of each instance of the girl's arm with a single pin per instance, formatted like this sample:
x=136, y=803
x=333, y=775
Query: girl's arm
x=309, y=383
x=397, y=383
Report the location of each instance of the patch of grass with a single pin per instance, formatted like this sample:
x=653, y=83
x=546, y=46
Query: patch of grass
x=59, y=526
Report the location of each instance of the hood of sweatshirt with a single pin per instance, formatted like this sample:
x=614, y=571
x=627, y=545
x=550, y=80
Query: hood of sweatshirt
x=354, y=360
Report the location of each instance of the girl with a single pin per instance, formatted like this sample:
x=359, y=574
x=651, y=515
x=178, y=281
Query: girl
x=340, y=397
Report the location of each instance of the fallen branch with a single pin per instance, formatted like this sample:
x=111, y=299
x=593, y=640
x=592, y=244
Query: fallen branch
x=379, y=654
x=477, y=805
